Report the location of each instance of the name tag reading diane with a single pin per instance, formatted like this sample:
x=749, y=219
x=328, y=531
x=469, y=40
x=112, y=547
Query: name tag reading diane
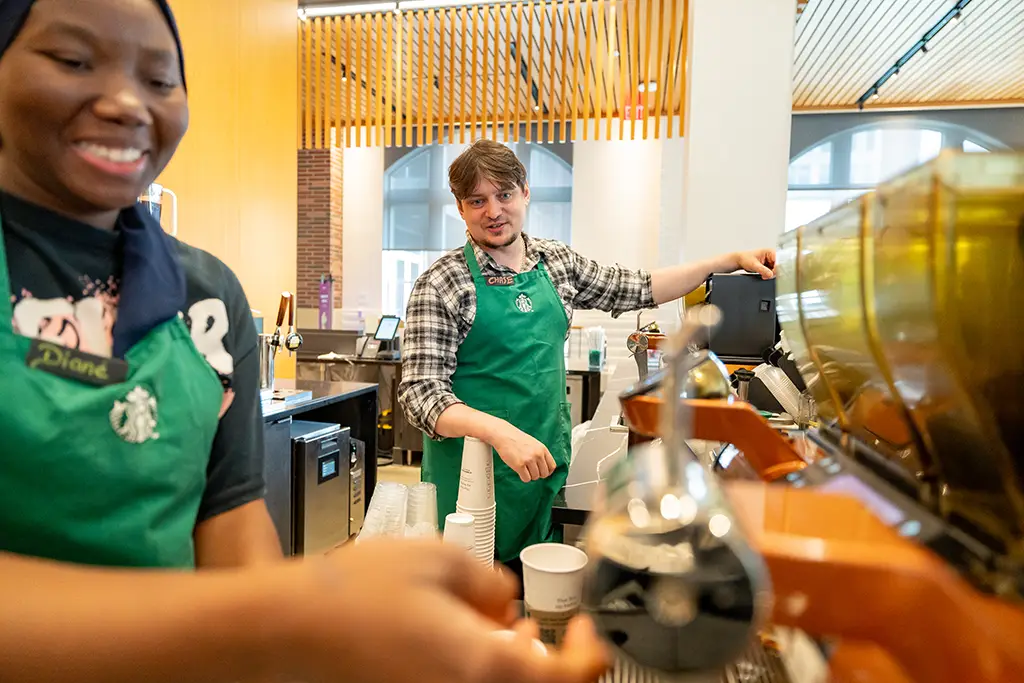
x=77, y=365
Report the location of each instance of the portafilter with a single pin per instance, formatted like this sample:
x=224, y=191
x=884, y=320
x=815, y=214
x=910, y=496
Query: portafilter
x=672, y=582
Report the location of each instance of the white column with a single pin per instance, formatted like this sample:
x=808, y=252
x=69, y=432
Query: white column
x=362, y=231
x=738, y=115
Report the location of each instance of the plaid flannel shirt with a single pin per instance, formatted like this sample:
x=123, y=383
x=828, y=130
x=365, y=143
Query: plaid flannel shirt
x=442, y=308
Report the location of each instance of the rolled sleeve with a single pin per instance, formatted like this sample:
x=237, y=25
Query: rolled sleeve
x=612, y=289
x=430, y=343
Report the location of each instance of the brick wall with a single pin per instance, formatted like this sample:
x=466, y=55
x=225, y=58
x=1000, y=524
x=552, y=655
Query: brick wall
x=320, y=224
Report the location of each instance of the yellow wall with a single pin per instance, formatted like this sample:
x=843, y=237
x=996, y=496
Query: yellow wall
x=235, y=173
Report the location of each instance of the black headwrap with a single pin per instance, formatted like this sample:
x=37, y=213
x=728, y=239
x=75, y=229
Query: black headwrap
x=153, y=288
x=14, y=12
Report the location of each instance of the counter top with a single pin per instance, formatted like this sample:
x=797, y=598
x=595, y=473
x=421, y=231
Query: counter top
x=573, y=366
x=324, y=394
x=349, y=358
x=580, y=366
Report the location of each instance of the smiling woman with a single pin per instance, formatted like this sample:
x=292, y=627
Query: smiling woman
x=97, y=159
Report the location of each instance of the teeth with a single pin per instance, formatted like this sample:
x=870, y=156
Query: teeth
x=121, y=156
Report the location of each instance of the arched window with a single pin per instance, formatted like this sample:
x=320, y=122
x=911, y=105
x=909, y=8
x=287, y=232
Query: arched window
x=854, y=161
x=422, y=222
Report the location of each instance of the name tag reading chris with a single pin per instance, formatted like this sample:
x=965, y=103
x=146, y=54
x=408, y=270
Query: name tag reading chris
x=77, y=365
x=501, y=281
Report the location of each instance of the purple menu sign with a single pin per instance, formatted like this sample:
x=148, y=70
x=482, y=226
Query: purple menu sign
x=326, y=302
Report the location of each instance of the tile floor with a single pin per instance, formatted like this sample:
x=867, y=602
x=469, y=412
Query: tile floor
x=402, y=474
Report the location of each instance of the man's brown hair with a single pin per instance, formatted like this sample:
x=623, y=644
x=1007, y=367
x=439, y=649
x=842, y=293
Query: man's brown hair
x=486, y=159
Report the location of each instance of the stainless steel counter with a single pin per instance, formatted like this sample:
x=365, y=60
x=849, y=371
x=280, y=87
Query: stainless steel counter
x=324, y=394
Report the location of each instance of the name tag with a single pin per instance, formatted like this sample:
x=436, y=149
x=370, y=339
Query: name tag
x=501, y=281
x=77, y=365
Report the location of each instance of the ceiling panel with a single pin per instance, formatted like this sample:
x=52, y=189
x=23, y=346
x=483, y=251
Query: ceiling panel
x=537, y=63
x=530, y=62
x=844, y=46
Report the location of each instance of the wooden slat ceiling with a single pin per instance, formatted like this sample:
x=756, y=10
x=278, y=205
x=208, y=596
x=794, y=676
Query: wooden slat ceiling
x=844, y=46
x=417, y=74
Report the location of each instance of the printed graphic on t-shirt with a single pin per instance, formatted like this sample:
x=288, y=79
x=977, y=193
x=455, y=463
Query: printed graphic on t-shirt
x=87, y=324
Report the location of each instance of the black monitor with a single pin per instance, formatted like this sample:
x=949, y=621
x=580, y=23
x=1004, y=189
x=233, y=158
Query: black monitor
x=387, y=328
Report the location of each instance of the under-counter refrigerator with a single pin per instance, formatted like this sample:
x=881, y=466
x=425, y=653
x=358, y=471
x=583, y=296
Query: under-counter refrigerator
x=321, y=486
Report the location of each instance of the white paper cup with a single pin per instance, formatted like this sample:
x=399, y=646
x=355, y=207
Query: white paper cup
x=458, y=530
x=552, y=587
x=476, y=484
x=511, y=636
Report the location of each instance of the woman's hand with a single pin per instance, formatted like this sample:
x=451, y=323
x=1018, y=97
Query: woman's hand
x=395, y=611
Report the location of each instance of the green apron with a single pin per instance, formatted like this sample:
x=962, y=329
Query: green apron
x=110, y=475
x=511, y=365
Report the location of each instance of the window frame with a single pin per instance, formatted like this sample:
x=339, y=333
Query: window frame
x=953, y=137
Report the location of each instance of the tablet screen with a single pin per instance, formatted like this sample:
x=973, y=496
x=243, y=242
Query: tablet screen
x=387, y=329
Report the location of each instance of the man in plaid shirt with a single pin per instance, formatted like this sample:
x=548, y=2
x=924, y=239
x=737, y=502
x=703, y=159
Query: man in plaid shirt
x=484, y=342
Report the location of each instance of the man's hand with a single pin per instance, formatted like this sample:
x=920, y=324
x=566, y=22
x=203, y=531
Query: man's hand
x=440, y=604
x=529, y=458
x=760, y=261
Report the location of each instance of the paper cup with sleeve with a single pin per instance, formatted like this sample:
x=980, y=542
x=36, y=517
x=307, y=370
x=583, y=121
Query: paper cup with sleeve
x=552, y=587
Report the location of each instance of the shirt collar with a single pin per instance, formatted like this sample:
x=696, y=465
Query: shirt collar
x=534, y=254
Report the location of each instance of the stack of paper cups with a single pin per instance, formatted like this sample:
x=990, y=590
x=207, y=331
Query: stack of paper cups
x=458, y=530
x=476, y=496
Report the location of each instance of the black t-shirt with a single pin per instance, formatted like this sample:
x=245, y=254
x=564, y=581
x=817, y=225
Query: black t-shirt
x=64, y=288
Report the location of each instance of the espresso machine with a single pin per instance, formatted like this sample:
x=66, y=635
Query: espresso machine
x=892, y=533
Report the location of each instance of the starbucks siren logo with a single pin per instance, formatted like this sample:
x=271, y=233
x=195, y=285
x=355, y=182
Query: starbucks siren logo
x=134, y=418
x=524, y=303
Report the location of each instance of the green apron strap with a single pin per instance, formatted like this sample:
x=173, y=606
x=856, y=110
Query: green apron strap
x=474, y=265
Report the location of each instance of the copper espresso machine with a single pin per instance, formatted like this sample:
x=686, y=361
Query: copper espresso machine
x=897, y=538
